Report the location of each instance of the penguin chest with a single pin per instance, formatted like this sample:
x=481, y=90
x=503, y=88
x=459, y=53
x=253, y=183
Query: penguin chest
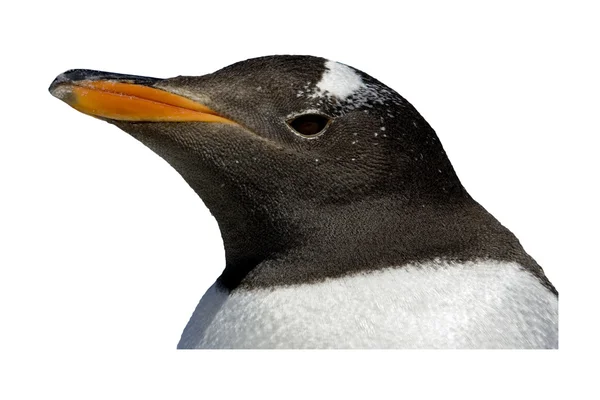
x=436, y=305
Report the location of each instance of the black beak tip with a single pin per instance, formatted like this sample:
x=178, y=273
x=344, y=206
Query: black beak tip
x=60, y=79
x=75, y=75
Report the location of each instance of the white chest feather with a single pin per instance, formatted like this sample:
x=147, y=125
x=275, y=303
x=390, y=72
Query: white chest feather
x=437, y=305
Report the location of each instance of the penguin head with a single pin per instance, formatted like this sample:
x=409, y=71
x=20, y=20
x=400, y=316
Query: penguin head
x=337, y=131
x=275, y=145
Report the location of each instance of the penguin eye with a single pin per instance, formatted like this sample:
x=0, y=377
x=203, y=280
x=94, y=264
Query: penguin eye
x=309, y=124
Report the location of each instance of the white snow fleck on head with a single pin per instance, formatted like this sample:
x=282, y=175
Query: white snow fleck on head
x=339, y=80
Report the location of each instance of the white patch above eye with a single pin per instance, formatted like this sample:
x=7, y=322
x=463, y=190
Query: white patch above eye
x=339, y=80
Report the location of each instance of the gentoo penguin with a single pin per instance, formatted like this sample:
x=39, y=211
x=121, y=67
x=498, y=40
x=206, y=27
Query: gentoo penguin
x=343, y=221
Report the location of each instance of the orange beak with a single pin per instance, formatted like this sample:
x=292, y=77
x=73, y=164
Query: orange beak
x=118, y=98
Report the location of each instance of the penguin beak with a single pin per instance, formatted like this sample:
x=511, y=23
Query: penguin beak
x=127, y=98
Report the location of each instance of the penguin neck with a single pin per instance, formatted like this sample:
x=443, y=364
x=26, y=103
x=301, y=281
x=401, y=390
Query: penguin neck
x=336, y=240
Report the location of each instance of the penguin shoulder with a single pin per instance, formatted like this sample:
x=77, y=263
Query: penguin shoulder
x=478, y=304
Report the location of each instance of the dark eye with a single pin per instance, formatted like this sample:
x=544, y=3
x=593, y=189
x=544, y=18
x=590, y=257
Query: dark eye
x=309, y=124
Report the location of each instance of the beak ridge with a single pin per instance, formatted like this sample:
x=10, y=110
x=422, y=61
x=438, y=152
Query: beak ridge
x=122, y=97
x=76, y=75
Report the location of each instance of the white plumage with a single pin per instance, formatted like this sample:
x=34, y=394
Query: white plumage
x=486, y=304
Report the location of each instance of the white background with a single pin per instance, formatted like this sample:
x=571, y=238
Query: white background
x=105, y=250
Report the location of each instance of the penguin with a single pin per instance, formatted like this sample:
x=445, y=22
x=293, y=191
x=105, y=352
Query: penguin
x=343, y=221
